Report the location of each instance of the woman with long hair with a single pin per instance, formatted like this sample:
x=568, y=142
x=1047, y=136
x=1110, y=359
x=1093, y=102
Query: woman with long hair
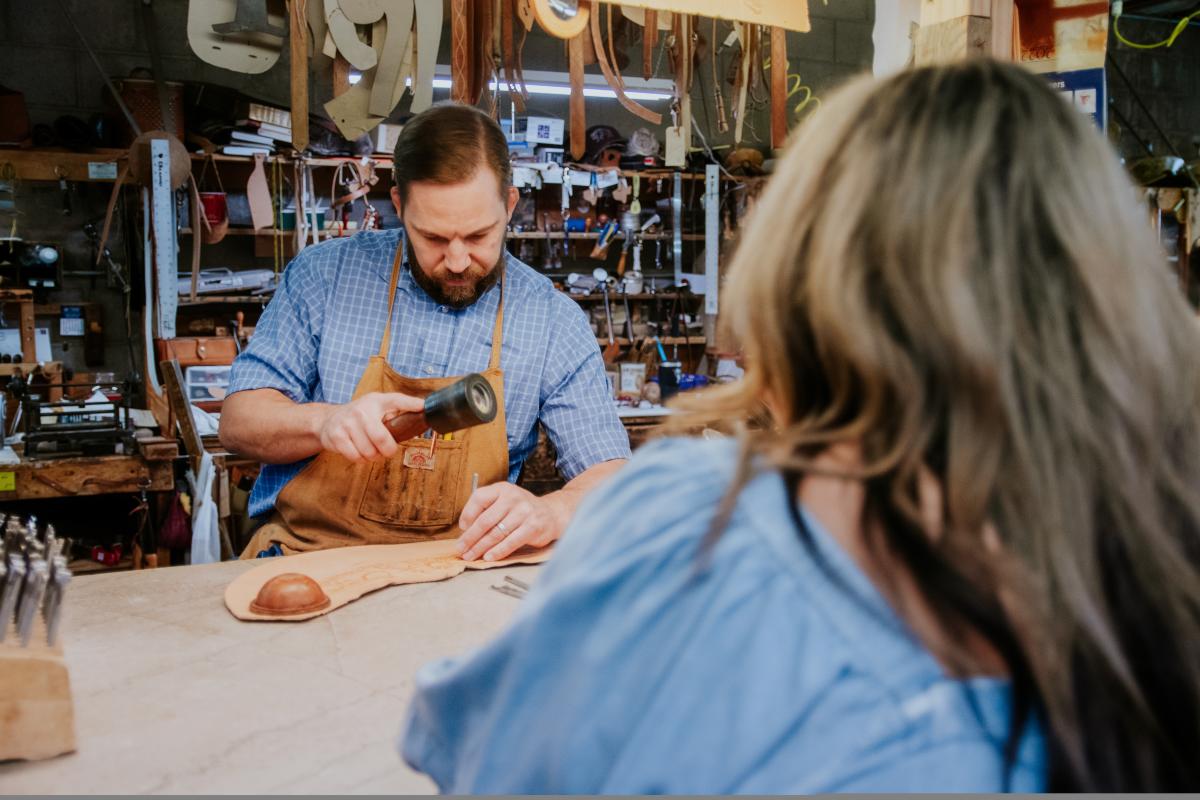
x=954, y=542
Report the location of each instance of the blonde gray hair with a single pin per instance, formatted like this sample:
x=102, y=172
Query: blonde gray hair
x=951, y=270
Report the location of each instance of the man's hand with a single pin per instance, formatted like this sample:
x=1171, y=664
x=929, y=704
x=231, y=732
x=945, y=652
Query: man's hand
x=356, y=429
x=502, y=518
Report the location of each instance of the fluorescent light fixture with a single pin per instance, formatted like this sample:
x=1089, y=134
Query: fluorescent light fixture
x=556, y=84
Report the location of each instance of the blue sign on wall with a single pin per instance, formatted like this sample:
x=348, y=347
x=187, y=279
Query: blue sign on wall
x=1085, y=90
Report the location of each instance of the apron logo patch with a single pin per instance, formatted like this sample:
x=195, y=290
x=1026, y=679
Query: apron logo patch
x=418, y=459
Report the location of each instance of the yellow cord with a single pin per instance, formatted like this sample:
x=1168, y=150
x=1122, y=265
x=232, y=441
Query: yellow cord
x=1170, y=40
x=796, y=86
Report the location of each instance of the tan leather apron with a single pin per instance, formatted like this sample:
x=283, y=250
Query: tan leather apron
x=410, y=497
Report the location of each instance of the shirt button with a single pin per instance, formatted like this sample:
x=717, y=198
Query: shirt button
x=443, y=309
x=429, y=370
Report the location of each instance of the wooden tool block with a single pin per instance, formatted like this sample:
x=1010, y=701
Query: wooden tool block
x=347, y=573
x=37, y=718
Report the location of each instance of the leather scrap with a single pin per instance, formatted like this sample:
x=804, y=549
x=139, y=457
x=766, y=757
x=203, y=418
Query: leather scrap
x=398, y=15
x=258, y=193
x=347, y=573
x=428, y=39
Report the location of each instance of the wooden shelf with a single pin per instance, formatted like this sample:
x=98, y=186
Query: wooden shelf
x=224, y=299
x=666, y=340
x=615, y=297
x=51, y=165
x=263, y=232
x=45, y=164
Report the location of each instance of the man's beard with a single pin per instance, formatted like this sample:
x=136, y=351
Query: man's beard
x=456, y=296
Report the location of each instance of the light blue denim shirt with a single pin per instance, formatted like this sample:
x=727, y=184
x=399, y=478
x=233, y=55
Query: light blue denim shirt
x=327, y=318
x=626, y=672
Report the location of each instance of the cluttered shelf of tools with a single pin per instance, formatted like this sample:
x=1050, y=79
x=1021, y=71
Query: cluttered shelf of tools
x=553, y=235
x=593, y=235
x=666, y=340
x=41, y=164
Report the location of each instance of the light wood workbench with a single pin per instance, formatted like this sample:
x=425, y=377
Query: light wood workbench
x=174, y=695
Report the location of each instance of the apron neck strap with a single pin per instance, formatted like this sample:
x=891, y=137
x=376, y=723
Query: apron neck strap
x=497, y=331
x=387, y=328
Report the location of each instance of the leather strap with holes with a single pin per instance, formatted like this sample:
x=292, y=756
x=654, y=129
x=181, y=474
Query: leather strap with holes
x=649, y=39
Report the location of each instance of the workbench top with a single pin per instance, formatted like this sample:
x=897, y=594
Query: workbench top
x=174, y=695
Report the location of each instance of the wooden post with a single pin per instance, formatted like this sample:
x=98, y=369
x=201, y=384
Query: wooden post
x=298, y=34
x=955, y=29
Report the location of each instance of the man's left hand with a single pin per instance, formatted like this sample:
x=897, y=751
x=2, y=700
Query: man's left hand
x=500, y=519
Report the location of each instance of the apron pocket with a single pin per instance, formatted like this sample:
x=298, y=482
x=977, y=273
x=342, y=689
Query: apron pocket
x=409, y=492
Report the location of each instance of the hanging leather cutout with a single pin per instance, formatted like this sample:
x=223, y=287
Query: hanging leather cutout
x=615, y=82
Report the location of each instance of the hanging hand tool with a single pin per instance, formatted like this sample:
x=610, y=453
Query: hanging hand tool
x=612, y=350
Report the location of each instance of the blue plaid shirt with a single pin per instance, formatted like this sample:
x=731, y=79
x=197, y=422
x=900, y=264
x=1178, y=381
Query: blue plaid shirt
x=327, y=318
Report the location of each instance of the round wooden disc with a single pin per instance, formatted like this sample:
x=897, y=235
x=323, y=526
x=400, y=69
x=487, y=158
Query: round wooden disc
x=563, y=19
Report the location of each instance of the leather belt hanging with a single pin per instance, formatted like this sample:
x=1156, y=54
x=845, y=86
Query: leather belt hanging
x=649, y=39
x=511, y=53
x=741, y=83
x=460, y=51
x=779, y=73
x=614, y=80
x=578, y=119
x=136, y=168
x=484, y=63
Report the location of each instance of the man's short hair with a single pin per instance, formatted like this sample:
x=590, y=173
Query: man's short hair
x=445, y=144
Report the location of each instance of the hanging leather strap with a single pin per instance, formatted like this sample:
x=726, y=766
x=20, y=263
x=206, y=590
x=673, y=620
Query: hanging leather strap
x=509, y=53
x=484, y=63
x=578, y=118
x=779, y=72
x=198, y=219
x=615, y=82
x=365, y=178
x=498, y=328
x=460, y=51
x=741, y=84
x=649, y=39
x=122, y=176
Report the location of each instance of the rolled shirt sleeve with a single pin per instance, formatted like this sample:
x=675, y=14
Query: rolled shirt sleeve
x=282, y=354
x=577, y=409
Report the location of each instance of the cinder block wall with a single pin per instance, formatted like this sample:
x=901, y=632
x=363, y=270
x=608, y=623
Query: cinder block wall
x=1167, y=80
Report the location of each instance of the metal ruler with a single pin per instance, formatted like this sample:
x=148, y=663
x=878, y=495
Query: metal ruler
x=712, y=235
x=162, y=207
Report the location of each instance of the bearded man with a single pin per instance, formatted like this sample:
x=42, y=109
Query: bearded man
x=363, y=328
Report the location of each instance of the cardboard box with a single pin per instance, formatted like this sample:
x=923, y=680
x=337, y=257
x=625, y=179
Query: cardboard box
x=541, y=130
